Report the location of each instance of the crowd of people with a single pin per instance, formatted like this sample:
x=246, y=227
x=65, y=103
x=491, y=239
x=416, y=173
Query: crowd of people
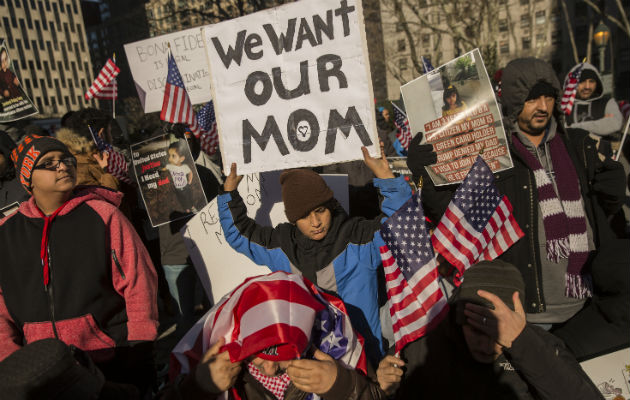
x=81, y=272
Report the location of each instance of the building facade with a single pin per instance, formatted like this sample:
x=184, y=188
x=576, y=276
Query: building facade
x=47, y=43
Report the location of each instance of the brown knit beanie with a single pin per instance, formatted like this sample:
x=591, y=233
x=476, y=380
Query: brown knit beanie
x=302, y=191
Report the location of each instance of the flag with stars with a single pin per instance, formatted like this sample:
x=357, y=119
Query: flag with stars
x=426, y=64
x=283, y=311
x=116, y=162
x=403, y=132
x=176, y=107
x=416, y=302
x=570, y=89
x=209, y=139
x=478, y=223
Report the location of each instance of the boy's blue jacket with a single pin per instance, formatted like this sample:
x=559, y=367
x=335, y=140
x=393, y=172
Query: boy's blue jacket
x=344, y=262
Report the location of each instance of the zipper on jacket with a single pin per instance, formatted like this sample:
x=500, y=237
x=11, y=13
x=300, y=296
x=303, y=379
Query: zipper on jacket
x=118, y=264
x=49, y=292
x=531, y=240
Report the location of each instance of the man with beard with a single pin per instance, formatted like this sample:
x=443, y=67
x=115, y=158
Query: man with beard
x=560, y=190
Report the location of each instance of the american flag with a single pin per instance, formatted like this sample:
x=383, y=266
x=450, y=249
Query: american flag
x=207, y=121
x=116, y=163
x=403, y=132
x=263, y=309
x=417, y=303
x=176, y=107
x=104, y=86
x=478, y=223
x=570, y=88
x=426, y=64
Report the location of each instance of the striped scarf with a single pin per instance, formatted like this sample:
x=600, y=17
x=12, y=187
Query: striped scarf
x=563, y=218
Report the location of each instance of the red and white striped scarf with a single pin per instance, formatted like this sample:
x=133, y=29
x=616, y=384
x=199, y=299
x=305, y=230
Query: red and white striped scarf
x=563, y=218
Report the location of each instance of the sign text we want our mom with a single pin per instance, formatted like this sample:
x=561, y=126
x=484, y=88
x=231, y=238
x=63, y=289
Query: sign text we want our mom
x=287, y=81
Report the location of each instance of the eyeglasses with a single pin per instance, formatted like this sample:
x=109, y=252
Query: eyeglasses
x=53, y=165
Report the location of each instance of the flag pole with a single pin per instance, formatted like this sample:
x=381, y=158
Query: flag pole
x=114, y=97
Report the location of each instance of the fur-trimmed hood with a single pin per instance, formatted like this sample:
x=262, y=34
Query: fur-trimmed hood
x=77, y=143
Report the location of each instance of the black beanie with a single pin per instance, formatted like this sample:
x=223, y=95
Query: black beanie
x=302, y=191
x=541, y=88
x=497, y=277
x=29, y=151
x=588, y=74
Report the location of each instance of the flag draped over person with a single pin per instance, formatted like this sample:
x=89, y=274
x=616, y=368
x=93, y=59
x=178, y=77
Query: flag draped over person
x=176, y=107
x=116, y=163
x=207, y=121
x=403, y=132
x=104, y=86
x=570, y=89
x=416, y=302
x=478, y=223
x=277, y=314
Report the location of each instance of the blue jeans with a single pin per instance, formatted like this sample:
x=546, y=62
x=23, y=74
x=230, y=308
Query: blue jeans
x=181, y=285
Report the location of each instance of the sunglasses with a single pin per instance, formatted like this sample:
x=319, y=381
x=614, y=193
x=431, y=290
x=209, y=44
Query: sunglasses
x=53, y=165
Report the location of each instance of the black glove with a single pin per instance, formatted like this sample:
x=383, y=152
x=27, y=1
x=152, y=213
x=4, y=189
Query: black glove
x=419, y=155
x=608, y=184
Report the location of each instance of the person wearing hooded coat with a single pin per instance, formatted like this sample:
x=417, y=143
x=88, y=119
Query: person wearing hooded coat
x=553, y=297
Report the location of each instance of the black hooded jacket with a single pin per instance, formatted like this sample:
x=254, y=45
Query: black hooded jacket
x=11, y=190
x=601, y=182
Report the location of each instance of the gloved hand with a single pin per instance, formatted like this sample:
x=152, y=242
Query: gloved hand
x=608, y=184
x=420, y=155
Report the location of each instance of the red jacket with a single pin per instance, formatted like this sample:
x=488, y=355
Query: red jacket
x=101, y=290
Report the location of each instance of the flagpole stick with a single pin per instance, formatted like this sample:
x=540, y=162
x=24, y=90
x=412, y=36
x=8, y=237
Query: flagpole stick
x=623, y=139
x=114, y=97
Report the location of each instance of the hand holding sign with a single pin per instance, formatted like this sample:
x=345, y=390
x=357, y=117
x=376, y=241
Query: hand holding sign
x=378, y=166
x=232, y=180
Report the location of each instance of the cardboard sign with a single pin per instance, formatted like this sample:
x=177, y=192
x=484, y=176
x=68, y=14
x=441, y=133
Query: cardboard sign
x=455, y=107
x=292, y=86
x=611, y=374
x=14, y=102
x=167, y=178
x=219, y=266
x=147, y=61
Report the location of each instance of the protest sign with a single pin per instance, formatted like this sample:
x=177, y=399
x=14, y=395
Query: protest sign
x=455, y=107
x=292, y=86
x=14, y=102
x=610, y=373
x=221, y=268
x=167, y=179
x=147, y=61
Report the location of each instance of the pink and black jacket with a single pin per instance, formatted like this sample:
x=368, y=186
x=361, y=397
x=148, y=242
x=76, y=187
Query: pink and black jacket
x=82, y=276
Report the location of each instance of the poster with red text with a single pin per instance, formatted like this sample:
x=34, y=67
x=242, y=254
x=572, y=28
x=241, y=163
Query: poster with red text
x=454, y=106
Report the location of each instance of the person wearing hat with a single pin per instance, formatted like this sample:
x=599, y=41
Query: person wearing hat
x=338, y=253
x=73, y=268
x=560, y=190
x=11, y=191
x=593, y=111
x=484, y=349
x=275, y=336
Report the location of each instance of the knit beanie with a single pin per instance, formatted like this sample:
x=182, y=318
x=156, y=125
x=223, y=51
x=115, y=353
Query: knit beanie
x=541, y=88
x=302, y=191
x=497, y=277
x=29, y=151
x=588, y=74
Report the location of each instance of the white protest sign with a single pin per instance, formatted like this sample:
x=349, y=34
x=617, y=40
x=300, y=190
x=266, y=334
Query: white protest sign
x=148, y=63
x=219, y=266
x=292, y=86
x=610, y=373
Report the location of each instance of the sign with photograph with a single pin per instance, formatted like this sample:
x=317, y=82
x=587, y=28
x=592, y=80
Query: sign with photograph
x=14, y=102
x=292, y=86
x=219, y=266
x=454, y=106
x=167, y=178
x=148, y=63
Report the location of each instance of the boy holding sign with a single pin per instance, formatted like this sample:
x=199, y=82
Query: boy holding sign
x=338, y=253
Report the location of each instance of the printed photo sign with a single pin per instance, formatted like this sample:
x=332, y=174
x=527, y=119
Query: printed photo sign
x=167, y=178
x=14, y=102
x=454, y=106
x=148, y=63
x=219, y=266
x=292, y=87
